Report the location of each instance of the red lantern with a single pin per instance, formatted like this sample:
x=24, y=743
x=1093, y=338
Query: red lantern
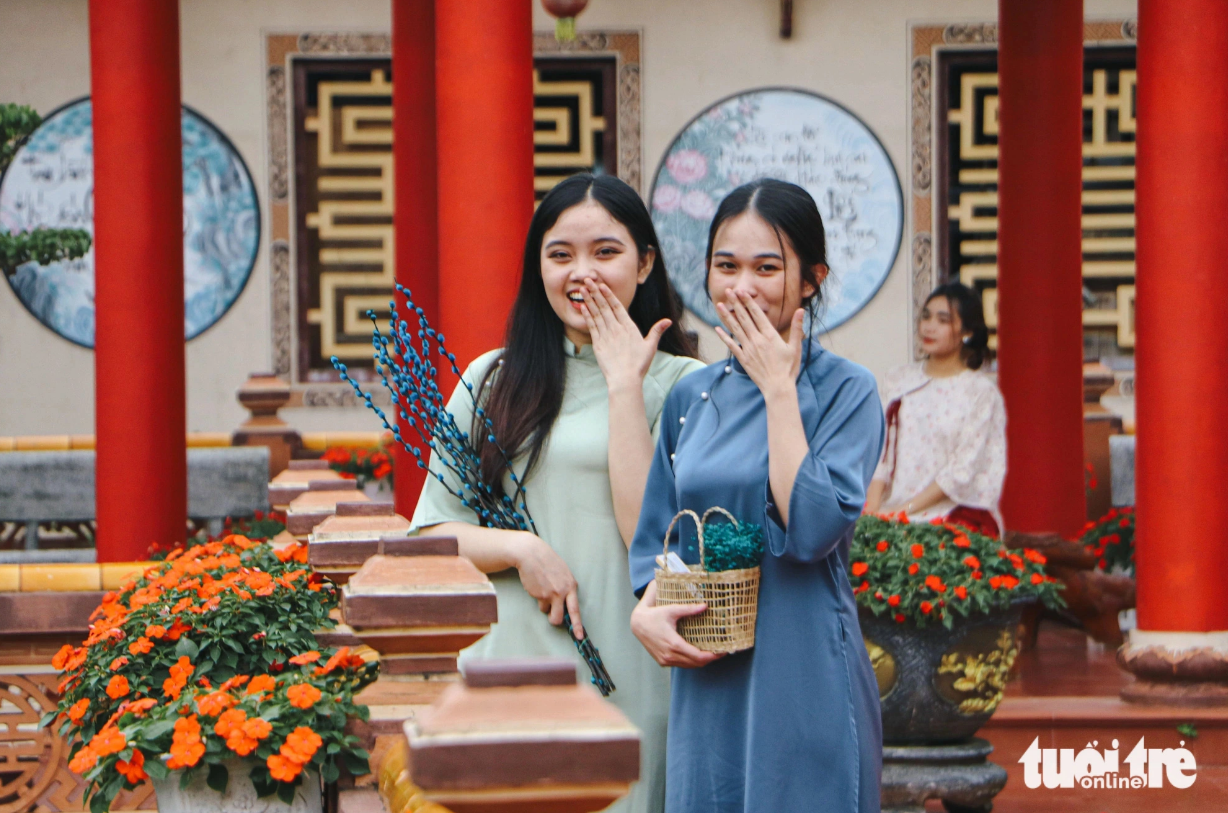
x=566, y=12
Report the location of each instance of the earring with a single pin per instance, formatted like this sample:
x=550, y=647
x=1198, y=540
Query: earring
x=967, y=340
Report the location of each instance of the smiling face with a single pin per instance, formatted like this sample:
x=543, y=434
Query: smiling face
x=940, y=330
x=748, y=255
x=586, y=242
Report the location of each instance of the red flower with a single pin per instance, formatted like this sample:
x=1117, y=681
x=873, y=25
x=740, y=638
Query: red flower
x=860, y=568
x=972, y=562
x=962, y=541
x=918, y=550
x=882, y=546
x=894, y=601
x=1125, y=523
x=899, y=618
x=913, y=569
x=305, y=658
x=934, y=583
x=961, y=592
x=926, y=607
x=1037, y=578
x=1035, y=556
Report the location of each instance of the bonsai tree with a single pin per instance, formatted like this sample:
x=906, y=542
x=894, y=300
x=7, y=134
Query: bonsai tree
x=208, y=657
x=43, y=246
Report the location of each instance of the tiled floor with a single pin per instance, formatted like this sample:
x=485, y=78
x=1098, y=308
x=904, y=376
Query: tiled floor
x=1066, y=693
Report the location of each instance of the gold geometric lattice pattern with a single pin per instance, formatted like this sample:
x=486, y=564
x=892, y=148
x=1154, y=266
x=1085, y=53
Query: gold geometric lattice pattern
x=1107, y=198
x=354, y=154
x=347, y=254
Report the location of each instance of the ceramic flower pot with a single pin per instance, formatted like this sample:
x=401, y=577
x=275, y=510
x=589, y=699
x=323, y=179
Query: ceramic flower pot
x=938, y=685
x=240, y=794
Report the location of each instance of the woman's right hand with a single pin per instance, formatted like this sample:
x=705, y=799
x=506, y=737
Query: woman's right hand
x=657, y=629
x=547, y=578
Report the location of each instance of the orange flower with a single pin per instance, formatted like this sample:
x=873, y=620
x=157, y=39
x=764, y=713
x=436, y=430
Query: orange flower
x=213, y=704
x=882, y=546
x=119, y=663
x=257, y=729
x=913, y=569
x=133, y=769
x=234, y=683
x=1009, y=582
x=282, y=769
x=1037, y=578
x=138, y=707
x=972, y=562
x=976, y=574
x=934, y=583
x=918, y=550
x=1034, y=556
x=962, y=541
x=303, y=695
x=995, y=582
x=83, y=760
x=295, y=552
x=305, y=658
x=76, y=712
x=860, y=568
x=62, y=657
x=961, y=592
x=108, y=741
x=155, y=631
x=182, y=668
x=240, y=744
x=118, y=687
x=229, y=721
x=926, y=607
x=177, y=629
x=301, y=745
x=185, y=754
x=893, y=601
x=140, y=646
x=261, y=683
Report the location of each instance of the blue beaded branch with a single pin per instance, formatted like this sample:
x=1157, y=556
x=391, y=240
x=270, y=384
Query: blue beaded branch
x=403, y=363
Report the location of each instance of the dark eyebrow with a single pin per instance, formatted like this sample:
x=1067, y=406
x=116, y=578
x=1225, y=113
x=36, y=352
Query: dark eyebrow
x=557, y=243
x=608, y=240
x=722, y=254
x=770, y=254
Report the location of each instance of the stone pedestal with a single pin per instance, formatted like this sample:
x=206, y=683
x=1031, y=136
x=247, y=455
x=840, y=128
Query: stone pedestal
x=318, y=503
x=515, y=737
x=339, y=545
x=1176, y=668
x=297, y=479
x=263, y=394
x=959, y=774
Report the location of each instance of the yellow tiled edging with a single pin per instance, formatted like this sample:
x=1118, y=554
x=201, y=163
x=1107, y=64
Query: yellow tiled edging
x=67, y=577
x=65, y=443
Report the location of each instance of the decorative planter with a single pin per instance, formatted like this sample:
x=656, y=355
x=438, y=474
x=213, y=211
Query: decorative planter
x=240, y=794
x=938, y=685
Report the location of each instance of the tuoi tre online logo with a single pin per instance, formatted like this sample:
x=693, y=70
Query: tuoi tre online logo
x=1091, y=768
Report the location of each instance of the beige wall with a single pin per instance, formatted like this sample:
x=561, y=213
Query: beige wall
x=694, y=52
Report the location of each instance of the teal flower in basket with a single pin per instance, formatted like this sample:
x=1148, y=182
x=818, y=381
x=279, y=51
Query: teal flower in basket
x=732, y=547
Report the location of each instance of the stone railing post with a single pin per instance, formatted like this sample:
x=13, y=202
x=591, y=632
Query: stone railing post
x=263, y=394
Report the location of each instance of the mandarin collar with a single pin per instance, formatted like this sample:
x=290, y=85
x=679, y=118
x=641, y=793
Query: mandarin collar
x=583, y=352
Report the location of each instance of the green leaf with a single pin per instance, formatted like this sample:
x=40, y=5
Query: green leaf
x=330, y=771
x=186, y=647
x=285, y=792
x=157, y=768
x=99, y=803
x=262, y=781
x=354, y=763
x=185, y=778
x=218, y=777
x=158, y=730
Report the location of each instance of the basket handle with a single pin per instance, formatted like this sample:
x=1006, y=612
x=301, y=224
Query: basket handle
x=698, y=525
x=704, y=519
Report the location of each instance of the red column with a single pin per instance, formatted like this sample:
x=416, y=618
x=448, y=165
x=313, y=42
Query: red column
x=140, y=417
x=415, y=222
x=1182, y=351
x=484, y=104
x=1040, y=332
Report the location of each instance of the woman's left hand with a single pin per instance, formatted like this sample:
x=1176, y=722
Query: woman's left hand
x=771, y=362
x=623, y=354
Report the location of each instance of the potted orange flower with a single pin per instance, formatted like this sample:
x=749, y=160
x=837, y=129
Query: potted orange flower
x=939, y=606
x=204, y=676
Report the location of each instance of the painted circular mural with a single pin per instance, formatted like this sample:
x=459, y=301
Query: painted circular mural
x=50, y=184
x=795, y=136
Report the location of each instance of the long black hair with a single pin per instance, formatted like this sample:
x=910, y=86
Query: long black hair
x=967, y=303
x=792, y=213
x=523, y=392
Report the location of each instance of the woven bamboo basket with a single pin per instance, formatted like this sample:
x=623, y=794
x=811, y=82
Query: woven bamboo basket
x=732, y=596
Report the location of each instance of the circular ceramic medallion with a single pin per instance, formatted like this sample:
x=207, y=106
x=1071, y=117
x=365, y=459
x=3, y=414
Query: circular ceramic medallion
x=50, y=184
x=795, y=136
